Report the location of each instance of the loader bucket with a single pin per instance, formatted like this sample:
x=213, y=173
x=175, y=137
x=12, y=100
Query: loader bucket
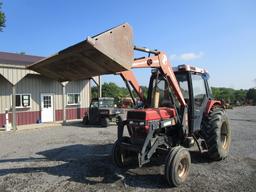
x=106, y=53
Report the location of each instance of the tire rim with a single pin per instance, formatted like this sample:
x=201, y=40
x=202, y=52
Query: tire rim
x=183, y=168
x=224, y=136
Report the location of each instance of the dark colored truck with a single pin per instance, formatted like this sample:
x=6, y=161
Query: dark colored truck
x=102, y=111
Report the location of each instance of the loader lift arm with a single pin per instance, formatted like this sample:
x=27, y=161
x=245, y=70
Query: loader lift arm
x=160, y=61
x=129, y=77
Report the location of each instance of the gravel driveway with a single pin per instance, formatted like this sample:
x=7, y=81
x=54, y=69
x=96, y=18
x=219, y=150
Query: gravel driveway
x=76, y=158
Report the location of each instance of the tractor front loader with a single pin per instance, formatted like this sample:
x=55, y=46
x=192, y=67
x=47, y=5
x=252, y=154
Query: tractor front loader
x=178, y=113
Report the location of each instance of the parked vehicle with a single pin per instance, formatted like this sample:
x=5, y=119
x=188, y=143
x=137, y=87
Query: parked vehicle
x=102, y=111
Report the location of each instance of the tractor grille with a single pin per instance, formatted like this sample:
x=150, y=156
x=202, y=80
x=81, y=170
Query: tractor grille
x=136, y=115
x=104, y=112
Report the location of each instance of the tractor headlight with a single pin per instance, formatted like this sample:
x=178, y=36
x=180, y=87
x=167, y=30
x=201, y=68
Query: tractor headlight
x=137, y=123
x=142, y=123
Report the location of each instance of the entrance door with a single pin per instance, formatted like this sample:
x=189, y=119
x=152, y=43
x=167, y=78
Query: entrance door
x=47, y=107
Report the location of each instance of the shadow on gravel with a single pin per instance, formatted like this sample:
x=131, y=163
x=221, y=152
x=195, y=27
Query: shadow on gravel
x=89, y=164
x=79, y=124
x=92, y=164
x=197, y=157
x=247, y=120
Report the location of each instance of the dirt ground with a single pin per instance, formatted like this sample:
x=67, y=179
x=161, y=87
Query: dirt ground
x=76, y=158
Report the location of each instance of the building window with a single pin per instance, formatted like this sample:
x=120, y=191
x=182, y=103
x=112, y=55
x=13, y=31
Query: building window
x=73, y=98
x=23, y=100
x=47, y=101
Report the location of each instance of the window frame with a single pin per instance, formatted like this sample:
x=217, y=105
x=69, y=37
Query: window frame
x=204, y=86
x=73, y=104
x=21, y=101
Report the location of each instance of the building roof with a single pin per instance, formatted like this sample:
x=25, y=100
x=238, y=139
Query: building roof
x=18, y=59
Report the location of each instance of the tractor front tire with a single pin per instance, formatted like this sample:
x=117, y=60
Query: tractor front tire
x=217, y=134
x=177, y=166
x=123, y=158
x=119, y=120
x=104, y=122
x=86, y=120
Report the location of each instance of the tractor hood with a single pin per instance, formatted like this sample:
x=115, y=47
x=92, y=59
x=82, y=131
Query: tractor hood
x=106, y=53
x=149, y=114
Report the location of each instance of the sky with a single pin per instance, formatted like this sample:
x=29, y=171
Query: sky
x=218, y=35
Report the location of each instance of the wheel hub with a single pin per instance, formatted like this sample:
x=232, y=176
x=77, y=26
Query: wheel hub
x=224, y=136
x=183, y=168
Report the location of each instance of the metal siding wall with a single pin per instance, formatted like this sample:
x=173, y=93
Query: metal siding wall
x=14, y=75
x=5, y=94
x=81, y=87
x=85, y=94
x=9, y=76
x=35, y=85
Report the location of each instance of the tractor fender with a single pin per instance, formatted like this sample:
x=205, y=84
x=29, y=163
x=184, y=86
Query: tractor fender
x=210, y=105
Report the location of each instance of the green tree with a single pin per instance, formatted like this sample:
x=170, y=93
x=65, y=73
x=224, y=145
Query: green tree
x=240, y=96
x=229, y=95
x=94, y=92
x=112, y=90
x=2, y=18
x=251, y=96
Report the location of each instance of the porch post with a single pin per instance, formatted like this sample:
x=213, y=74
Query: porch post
x=64, y=102
x=14, y=126
x=100, y=87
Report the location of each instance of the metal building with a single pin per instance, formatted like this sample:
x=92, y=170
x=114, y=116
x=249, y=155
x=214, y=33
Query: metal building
x=37, y=99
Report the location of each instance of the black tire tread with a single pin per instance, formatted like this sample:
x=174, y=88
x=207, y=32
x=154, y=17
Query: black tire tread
x=210, y=128
x=104, y=122
x=130, y=158
x=171, y=157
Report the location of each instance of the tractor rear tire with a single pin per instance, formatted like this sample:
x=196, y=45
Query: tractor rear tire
x=123, y=158
x=119, y=120
x=177, y=166
x=86, y=120
x=104, y=122
x=217, y=133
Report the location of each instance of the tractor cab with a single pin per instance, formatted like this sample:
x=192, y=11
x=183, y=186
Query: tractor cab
x=193, y=82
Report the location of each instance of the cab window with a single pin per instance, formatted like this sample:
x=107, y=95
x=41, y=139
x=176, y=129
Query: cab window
x=198, y=89
x=183, y=83
x=162, y=89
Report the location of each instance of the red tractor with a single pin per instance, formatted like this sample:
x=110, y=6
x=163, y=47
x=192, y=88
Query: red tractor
x=179, y=110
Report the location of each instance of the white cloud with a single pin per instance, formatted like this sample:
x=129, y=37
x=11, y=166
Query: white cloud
x=187, y=56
